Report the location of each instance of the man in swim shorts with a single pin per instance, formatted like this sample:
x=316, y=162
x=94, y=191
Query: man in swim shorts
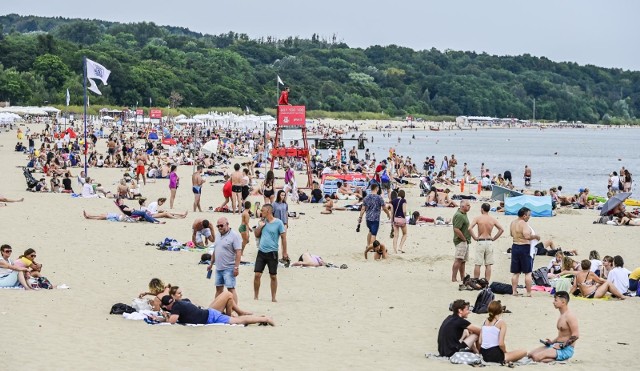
x=562, y=347
x=197, y=181
x=521, y=260
x=141, y=160
x=527, y=176
x=202, y=233
x=372, y=204
x=236, y=188
x=227, y=254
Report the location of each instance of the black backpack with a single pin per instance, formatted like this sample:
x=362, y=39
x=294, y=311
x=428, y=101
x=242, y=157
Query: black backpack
x=485, y=297
x=120, y=308
x=540, y=277
x=501, y=288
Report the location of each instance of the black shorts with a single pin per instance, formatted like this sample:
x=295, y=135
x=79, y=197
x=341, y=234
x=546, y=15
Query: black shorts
x=269, y=259
x=268, y=193
x=521, y=261
x=236, y=188
x=493, y=354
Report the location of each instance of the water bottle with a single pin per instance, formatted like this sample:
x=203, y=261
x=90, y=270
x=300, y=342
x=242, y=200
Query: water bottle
x=209, y=274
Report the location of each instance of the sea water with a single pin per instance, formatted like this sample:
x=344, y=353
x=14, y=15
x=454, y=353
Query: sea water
x=573, y=158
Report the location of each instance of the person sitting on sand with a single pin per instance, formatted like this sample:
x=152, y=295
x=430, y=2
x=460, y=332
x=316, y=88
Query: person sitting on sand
x=628, y=221
x=153, y=210
x=456, y=332
x=607, y=266
x=27, y=260
x=329, y=206
x=184, y=312
x=345, y=192
x=432, y=198
x=592, y=286
x=380, y=251
x=157, y=289
x=583, y=200
x=308, y=260
x=11, y=275
x=492, y=334
x=444, y=201
x=555, y=265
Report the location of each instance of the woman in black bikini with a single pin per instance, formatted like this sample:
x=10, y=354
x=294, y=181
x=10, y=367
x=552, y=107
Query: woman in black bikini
x=592, y=286
x=267, y=188
x=379, y=249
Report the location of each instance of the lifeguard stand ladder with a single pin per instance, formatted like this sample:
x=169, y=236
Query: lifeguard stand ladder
x=292, y=117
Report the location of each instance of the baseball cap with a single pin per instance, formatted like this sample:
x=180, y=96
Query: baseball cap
x=167, y=300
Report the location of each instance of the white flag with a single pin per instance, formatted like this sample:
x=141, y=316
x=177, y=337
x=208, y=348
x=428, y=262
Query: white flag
x=280, y=80
x=97, y=71
x=93, y=87
x=68, y=98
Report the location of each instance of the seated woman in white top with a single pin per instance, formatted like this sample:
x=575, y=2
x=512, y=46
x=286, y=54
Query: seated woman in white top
x=492, y=335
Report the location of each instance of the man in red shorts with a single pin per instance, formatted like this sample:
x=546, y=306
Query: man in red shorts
x=141, y=160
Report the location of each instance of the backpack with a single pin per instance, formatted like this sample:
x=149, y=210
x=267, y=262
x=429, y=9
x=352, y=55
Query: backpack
x=44, y=283
x=482, y=301
x=465, y=358
x=120, y=308
x=540, y=277
x=501, y=288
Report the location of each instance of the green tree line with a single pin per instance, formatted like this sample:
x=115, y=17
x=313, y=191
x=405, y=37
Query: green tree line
x=40, y=57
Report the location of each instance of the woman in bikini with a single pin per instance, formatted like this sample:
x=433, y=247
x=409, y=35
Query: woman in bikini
x=157, y=289
x=592, y=286
x=244, y=227
x=267, y=188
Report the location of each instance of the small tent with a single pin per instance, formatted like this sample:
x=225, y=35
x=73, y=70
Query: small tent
x=152, y=136
x=539, y=205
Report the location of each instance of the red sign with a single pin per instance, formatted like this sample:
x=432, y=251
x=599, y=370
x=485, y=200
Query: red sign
x=291, y=115
x=139, y=112
x=155, y=113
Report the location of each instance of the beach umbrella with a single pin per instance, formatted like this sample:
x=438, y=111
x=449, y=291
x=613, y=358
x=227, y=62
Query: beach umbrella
x=169, y=142
x=153, y=136
x=614, y=201
x=498, y=193
x=210, y=147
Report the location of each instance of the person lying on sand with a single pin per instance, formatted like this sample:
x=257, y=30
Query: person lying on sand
x=157, y=289
x=112, y=217
x=191, y=314
x=308, y=260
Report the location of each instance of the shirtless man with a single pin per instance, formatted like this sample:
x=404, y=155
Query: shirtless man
x=484, y=250
x=197, y=181
x=379, y=250
x=202, y=233
x=527, y=176
x=560, y=348
x=521, y=261
x=141, y=161
x=236, y=188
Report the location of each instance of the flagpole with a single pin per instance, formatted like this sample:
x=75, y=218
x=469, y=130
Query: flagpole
x=84, y=83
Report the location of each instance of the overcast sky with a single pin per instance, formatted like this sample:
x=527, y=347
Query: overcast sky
x=603, y=33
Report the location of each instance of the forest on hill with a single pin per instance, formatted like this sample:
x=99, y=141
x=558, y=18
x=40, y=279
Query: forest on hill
x=40, y=57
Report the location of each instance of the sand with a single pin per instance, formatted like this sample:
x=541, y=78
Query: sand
x=373, y=315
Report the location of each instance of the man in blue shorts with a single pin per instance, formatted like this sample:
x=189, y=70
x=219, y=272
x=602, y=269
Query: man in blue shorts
x=184, y=312
x=227, y=254
x=521, y=259
x=372, y=204
x=562, y=347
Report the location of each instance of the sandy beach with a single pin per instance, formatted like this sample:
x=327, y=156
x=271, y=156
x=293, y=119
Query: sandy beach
x=374, y=315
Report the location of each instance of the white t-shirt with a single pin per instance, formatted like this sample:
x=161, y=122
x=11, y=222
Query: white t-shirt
x=595, y=265
x=87, y=191
x=152, y=208
x=615, y=182
x=620, y=278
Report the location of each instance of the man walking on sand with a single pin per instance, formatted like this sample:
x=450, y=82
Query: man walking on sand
x=197, y=181
x=484, y=248
x=236, y=188
x=521, y=260
x=562, y=347
x=269, y=231
x=461, y=240
x=372, y=204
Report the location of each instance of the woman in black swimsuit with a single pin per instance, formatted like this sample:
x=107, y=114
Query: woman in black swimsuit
x=592, y=286
x=267, y=188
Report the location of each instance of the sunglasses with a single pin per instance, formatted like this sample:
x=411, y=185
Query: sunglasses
x=32, y=255
x=220, y=225
x=7, y=250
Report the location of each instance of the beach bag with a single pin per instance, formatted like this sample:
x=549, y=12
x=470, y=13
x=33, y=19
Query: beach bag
x=44, y=283
x=482, y=301
x=501, y=288
x=120, y=308
x=384, y=178
x=397, y=220
x=563, y=284
x=465, y=358
x=540, y=277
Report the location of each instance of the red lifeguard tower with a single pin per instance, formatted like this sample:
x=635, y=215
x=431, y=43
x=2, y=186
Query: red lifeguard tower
x=292, y=117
